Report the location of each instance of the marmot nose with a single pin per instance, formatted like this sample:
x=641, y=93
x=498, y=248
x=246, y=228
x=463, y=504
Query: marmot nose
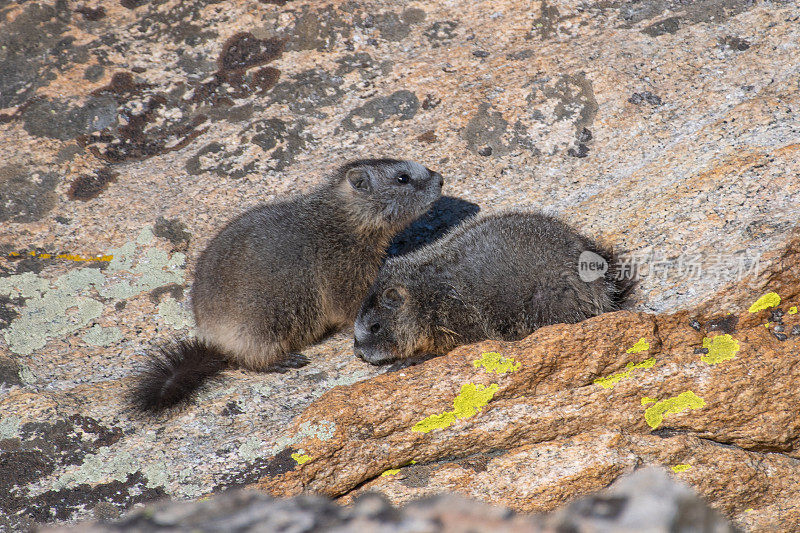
x=438, y=179
x=358, y=351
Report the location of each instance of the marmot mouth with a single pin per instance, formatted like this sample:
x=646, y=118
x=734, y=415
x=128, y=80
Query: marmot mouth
x=373, y=356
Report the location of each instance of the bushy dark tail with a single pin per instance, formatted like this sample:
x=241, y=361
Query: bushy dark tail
x=174, y=373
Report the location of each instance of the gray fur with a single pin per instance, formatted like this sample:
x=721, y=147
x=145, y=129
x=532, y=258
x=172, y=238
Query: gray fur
x=282, y=276
x=496, y=277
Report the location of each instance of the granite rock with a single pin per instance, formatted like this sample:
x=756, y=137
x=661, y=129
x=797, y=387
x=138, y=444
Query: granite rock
x=569, y=409
x=131, y=131
x=645, y=500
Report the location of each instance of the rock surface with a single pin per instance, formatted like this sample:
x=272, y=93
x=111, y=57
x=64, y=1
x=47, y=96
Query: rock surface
x=647, y=500
x=130, y=131
x=570, y=408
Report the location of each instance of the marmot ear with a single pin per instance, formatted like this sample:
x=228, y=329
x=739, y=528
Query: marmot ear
x=359, y=179
x=394, y=296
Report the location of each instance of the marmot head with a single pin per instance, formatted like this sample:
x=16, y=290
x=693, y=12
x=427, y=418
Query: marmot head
x=391, y=323
x=387, y=194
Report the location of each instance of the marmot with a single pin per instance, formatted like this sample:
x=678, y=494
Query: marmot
x=282, y=276
x=496, y=277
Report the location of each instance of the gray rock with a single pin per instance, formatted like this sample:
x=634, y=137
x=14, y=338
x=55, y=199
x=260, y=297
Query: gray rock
x=647, y=501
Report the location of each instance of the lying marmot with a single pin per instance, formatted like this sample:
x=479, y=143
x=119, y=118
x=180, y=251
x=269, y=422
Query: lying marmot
x=496, y=277
x=283, y=276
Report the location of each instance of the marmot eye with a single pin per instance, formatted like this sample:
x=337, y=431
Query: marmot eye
x=403, y=178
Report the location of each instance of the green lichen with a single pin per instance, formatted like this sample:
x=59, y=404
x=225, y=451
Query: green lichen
x=251, y=449
x=322, y=430
x=793, y=310
x=681, y=468
x=646, y=400
x=9, y=427
x=54, y=312
x=26, y=376
x=56, y=309
x=771, y=299
x=494, y=362
x=720, y=348
x=174, y=314
x=641, y=346
x=432, y=422
x=100, y=336
x=613, y=379
x=469, y=401
x=112, y=464
x=301, y=458
x=27, y=285
x=654, y=415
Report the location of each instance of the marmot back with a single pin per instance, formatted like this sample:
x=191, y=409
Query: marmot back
x=496, y=277
x=283, y=276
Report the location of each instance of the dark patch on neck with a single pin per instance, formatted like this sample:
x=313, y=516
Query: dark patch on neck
x=445, y=214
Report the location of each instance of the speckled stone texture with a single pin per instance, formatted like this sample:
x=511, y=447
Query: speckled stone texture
x=647, y=500
x=572, y=407
x=131, y=130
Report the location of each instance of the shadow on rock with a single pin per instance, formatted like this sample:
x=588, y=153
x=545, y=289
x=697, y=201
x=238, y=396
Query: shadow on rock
x=445, y=214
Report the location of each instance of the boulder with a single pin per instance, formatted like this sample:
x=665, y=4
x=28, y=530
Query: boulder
x=131, y=131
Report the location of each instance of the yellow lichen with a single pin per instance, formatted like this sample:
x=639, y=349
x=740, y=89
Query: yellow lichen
x=393, y=471
x=301, y=458
x=494, y=362
x=793, y=310
x=647, y=400
x=720, y=348
x=610, y=381
x=771, y=299
x=681, y=468
x=641, y=346
x=68, y=257
x=432, y=422
x=468, y=402
x=654, y=415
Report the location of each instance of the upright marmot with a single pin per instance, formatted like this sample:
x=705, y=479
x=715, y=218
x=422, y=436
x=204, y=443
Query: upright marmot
x=496, y=277
x=282, y=276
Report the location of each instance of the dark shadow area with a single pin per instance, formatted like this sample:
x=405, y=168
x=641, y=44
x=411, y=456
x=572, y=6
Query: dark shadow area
x=445, y=214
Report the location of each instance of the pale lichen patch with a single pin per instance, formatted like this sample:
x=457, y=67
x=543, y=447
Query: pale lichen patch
x=100, y=336
x=59, y=308
x=174, y=314
x=9, y=427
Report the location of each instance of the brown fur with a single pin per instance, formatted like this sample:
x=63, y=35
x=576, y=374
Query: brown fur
x=282, y=276
x=495, y=277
